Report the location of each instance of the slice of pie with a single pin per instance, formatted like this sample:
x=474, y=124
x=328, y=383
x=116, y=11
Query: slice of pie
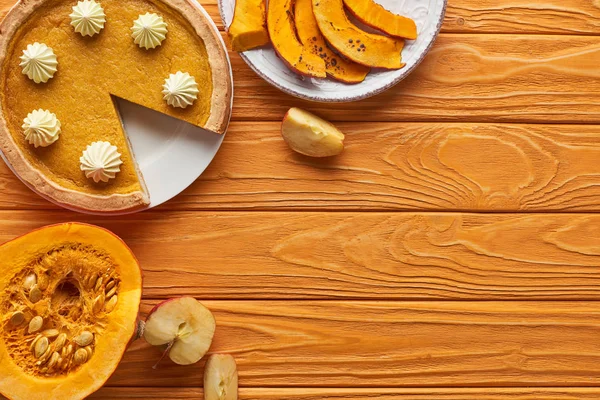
x=94, y=69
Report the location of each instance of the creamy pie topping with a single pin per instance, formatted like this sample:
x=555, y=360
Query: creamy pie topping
x=101, y=161
x=180, y=89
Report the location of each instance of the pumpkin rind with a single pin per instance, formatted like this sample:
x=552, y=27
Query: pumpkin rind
x=280, y=22
x=248, y=29
x=336, y=66
x=374, y=15
x=365, y=48
x=55, y=249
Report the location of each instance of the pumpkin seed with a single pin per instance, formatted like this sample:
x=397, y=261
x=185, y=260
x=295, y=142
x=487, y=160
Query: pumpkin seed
x=50, y=333
x=91, y=280
x=98, y=303
x=111, y=292
x=80, y=356
x=68, y=351
x=35, y=294
x=32, y=345
x=41, y=346
x=29, y=282
x=35, y=324
x=110, y=305
x=89, y=351
x=60, y=342
x=84, y=338
x=110, y=285
x=17, y=318
x=53, y=360
x=44, y=370
x=45, y=357
x=98, y=284
x=42, y=281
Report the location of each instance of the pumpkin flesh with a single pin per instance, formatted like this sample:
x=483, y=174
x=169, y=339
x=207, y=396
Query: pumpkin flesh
x=248, y=29
x=336, y=66
x=282, y=30
x=374, y=15
x=365, y=48
x=67, y=275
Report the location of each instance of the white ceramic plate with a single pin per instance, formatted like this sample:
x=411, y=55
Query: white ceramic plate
x=428, y=15
x=171, y=153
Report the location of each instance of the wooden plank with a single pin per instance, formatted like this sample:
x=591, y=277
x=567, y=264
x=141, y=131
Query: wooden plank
x=523, y=16
x=393, y=344
x=490, y=16
x=174, y=393
x=465, y=78
x=392, y=166
x=354, y=255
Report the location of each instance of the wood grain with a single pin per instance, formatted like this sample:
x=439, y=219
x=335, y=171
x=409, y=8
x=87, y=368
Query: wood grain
x=477, y=78
x=393, y=344
x=523, y=16
x=109, y=393
x=354, y=255
x=392, y=166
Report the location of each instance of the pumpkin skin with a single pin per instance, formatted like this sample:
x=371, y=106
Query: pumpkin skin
x=336, y=66
x=365, y=48
x=248, y=29
x=374, y=15
x=280, y=22
x=75, y=257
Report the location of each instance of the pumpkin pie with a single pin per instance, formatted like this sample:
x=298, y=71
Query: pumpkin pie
x=95, y=65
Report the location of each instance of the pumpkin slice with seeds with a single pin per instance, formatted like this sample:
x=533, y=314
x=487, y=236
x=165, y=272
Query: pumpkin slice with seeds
x=69, y=299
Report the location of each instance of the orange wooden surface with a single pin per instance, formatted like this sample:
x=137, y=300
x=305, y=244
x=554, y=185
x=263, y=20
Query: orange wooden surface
x=451, y=252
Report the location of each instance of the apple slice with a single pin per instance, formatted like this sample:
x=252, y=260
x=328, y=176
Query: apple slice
x=184, y=325
x=310, y=135
x=220, y=378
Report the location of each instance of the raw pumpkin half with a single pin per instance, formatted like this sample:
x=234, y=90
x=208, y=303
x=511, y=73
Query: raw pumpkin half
x=69, y=299
x=365, y=48
x=374, y=15
x=308, y=32
x=282, y=29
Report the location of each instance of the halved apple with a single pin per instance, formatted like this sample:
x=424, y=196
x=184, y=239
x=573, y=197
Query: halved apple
x=336, y=66
x=369, y=49
x=374, y=15
x=184, y=326
x=310, y=135
x=248, y=29
x=280, y=22
x=220, y=378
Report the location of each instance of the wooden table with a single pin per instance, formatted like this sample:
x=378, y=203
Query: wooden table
x=451, y=252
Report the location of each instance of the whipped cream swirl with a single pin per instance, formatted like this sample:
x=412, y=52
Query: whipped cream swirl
x=149, y=30
x=88, y=18
x=41, y=128
x=180, y=89
x=100, y=161
x=38, y=62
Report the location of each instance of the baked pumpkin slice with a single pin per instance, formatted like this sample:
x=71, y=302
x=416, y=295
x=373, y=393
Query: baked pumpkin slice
x=365, y=48
x=282, y=30
x=92, y=71
x=376, y=16
x=69, y=301
x=336, y=67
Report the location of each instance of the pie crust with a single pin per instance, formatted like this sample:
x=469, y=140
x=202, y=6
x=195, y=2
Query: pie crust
x=218, y=118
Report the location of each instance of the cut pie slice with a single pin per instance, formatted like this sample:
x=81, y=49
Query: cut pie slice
x=92, y=70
